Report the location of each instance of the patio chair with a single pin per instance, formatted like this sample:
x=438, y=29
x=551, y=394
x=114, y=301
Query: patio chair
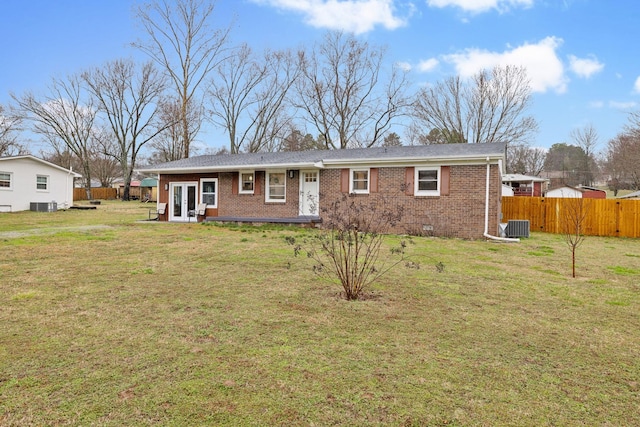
x=159, y=210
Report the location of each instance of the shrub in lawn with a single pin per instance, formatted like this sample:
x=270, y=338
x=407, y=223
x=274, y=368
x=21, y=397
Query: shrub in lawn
x=572, y=221
x=349, y=245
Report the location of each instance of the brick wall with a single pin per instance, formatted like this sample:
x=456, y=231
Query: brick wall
x=460, y=213
x=254, y=205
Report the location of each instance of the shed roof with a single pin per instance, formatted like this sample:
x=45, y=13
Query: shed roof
x=630, y=195
x=335, y=158
x=516, y=177
x=149, y=182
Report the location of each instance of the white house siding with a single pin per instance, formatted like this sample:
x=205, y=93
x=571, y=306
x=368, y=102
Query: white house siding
x=565, y=192
x=24, y=171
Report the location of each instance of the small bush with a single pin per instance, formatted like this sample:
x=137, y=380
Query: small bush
x=349, y=247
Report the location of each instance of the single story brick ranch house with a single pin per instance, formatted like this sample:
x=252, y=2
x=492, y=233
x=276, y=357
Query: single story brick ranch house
x=449, y=190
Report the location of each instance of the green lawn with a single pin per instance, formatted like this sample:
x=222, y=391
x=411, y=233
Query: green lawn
x=108, y=320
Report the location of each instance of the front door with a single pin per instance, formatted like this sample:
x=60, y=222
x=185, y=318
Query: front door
x=309, y=190
x=183, y=200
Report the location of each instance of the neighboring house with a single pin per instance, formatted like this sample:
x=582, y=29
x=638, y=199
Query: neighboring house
x=27, y=179
x=565, y=192
x=507, y=190
x=592, y=192
x=445, y=189
x=577, y=192
x=524, y=185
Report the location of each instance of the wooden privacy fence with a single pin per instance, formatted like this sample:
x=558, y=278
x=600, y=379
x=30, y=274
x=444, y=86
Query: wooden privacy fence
x=605, y=217
x=96, y=193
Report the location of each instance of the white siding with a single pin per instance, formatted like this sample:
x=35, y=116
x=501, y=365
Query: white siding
x=565, y=192
x=24, y=172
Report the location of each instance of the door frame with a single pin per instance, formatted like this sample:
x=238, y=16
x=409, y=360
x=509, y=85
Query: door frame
x=303, y=197
x=184, y=216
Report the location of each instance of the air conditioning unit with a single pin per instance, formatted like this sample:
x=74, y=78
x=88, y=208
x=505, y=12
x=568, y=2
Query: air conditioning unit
x=43, y=207
x=517, y=228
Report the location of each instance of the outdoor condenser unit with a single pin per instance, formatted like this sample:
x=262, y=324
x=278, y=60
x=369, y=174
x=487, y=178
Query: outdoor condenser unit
x=517, y=228
x=43, y=206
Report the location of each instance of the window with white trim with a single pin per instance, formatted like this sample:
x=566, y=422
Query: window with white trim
x=42, y=183
x=5, y=181
x=359, y=182
x=209, y=192
x=276, y=187
x=247, y=182
x=427, y=181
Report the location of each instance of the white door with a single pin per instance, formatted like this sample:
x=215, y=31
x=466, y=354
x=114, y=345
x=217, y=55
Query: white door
x=183, y=200
x=309, y=190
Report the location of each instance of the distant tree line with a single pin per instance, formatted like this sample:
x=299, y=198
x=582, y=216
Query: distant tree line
x=337, y=93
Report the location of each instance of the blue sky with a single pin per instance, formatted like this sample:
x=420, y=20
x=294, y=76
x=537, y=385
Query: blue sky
x=582, y=56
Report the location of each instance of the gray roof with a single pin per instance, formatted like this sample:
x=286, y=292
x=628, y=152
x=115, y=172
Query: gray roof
x=335, y=158
x=630, y=195
x=516, y=177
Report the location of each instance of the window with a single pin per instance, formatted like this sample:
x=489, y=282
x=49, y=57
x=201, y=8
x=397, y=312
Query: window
x=276, y=187
x=5, y=180
x=427, y=182
x=247, y=180
x=209, y=192
x=42, y=183
x=359, y=181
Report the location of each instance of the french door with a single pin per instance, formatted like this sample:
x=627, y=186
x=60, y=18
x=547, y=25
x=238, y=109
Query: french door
x=184, y=198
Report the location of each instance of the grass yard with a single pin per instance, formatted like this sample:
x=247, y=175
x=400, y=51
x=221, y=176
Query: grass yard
x=110, y=321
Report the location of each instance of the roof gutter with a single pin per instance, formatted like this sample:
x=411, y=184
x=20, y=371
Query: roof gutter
x=405, y=160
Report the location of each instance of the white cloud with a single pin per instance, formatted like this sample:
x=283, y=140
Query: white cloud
x=404, y=66
x=585, y=67
x=544, y=69
x=428, y=65
x=356, y=16
x=636, y=85
x=622, y=105
x=596, y=104
x=478, y=6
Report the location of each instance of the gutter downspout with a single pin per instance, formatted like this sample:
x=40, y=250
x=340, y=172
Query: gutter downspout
x=486, y=209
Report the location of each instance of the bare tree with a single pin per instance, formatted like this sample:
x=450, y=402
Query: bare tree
x=524, y=159
x=9, y=125
x=184, y=44
x=169, y=144
x=623, y=160
x=66, y=116
x=344, y=93
x=129, y=100
x=248, y=98
x=587, y=139
x=572, y=217
x=489, y=107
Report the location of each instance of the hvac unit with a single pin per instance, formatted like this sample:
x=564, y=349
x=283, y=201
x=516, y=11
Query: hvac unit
x=43, y=207
x=517, y=228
